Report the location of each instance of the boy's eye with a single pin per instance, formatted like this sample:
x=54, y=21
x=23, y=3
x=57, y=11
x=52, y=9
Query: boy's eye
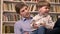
x=25, y=8
x=47, y=8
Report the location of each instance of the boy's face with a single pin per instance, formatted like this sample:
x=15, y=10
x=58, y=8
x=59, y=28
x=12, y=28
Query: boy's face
x=44, y=10
x=24, y=12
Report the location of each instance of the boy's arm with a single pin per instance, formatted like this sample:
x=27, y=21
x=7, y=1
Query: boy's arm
x=34, y=25
x=50, y=23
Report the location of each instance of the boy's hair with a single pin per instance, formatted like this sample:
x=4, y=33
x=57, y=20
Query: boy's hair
x=42, y=3
x=18, y=6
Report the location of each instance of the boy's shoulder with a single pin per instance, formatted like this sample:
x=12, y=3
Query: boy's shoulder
x=48, y=15
x=36, y=17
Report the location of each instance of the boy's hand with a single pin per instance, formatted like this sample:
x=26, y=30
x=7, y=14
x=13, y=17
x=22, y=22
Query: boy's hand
x=35, y=26
x=43, y=24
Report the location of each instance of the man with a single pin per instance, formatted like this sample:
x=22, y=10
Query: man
x=23, y=25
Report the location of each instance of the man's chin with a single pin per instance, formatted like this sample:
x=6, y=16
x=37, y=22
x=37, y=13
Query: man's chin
x=27, y=16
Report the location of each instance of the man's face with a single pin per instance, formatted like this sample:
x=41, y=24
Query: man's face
x=44, y=10
x=24, y=12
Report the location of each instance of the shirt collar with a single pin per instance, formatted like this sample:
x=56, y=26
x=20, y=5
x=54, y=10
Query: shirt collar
x=42, y=15
x=24, y=19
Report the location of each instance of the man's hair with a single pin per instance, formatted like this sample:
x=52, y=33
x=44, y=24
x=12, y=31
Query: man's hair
x=18, y=6
x=42, y=3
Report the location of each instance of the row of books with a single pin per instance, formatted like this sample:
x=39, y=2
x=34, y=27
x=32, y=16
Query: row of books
x=8, y=7
x=56, y=1
x=11, y=7
x=55, y=8
x=10, y=17
x=8, y=29
x=13, y=16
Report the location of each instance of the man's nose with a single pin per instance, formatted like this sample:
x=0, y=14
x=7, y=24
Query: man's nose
x=26, y=11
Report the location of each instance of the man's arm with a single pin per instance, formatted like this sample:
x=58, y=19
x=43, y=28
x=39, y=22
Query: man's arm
x=17, y=29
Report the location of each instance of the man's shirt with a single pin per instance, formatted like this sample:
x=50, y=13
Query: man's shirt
x=22, y=25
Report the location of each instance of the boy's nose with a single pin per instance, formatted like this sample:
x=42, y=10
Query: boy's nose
x=48, y=9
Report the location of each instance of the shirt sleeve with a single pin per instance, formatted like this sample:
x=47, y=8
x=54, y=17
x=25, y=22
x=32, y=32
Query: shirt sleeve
x=17, y=28
x=50, y=23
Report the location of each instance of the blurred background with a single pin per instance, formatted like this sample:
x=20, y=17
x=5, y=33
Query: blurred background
x=9, y=16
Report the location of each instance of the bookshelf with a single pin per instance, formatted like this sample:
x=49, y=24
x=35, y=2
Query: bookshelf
x=0, y=11
x=0, y=16
x=10, y=17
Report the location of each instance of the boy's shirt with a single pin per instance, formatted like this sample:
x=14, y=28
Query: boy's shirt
x=43, y=19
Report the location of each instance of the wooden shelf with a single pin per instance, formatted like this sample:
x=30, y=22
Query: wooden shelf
x=28, y=2
x=53, y=3
x=9, y=11
x=30, y=12
x=54, y=12
x=9, y=21
x=7, y=33
x=49, y=12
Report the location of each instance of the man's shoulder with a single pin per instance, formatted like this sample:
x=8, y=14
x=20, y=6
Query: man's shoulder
x=18, y=22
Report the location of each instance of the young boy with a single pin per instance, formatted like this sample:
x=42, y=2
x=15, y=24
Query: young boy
x=43, y=19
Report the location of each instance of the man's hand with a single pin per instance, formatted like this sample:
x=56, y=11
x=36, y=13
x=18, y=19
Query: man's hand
x=26, y=32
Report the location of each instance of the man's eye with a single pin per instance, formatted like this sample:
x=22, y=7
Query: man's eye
x=22, y=11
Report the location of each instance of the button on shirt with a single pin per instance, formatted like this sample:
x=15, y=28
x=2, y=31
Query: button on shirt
x=22, y=25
